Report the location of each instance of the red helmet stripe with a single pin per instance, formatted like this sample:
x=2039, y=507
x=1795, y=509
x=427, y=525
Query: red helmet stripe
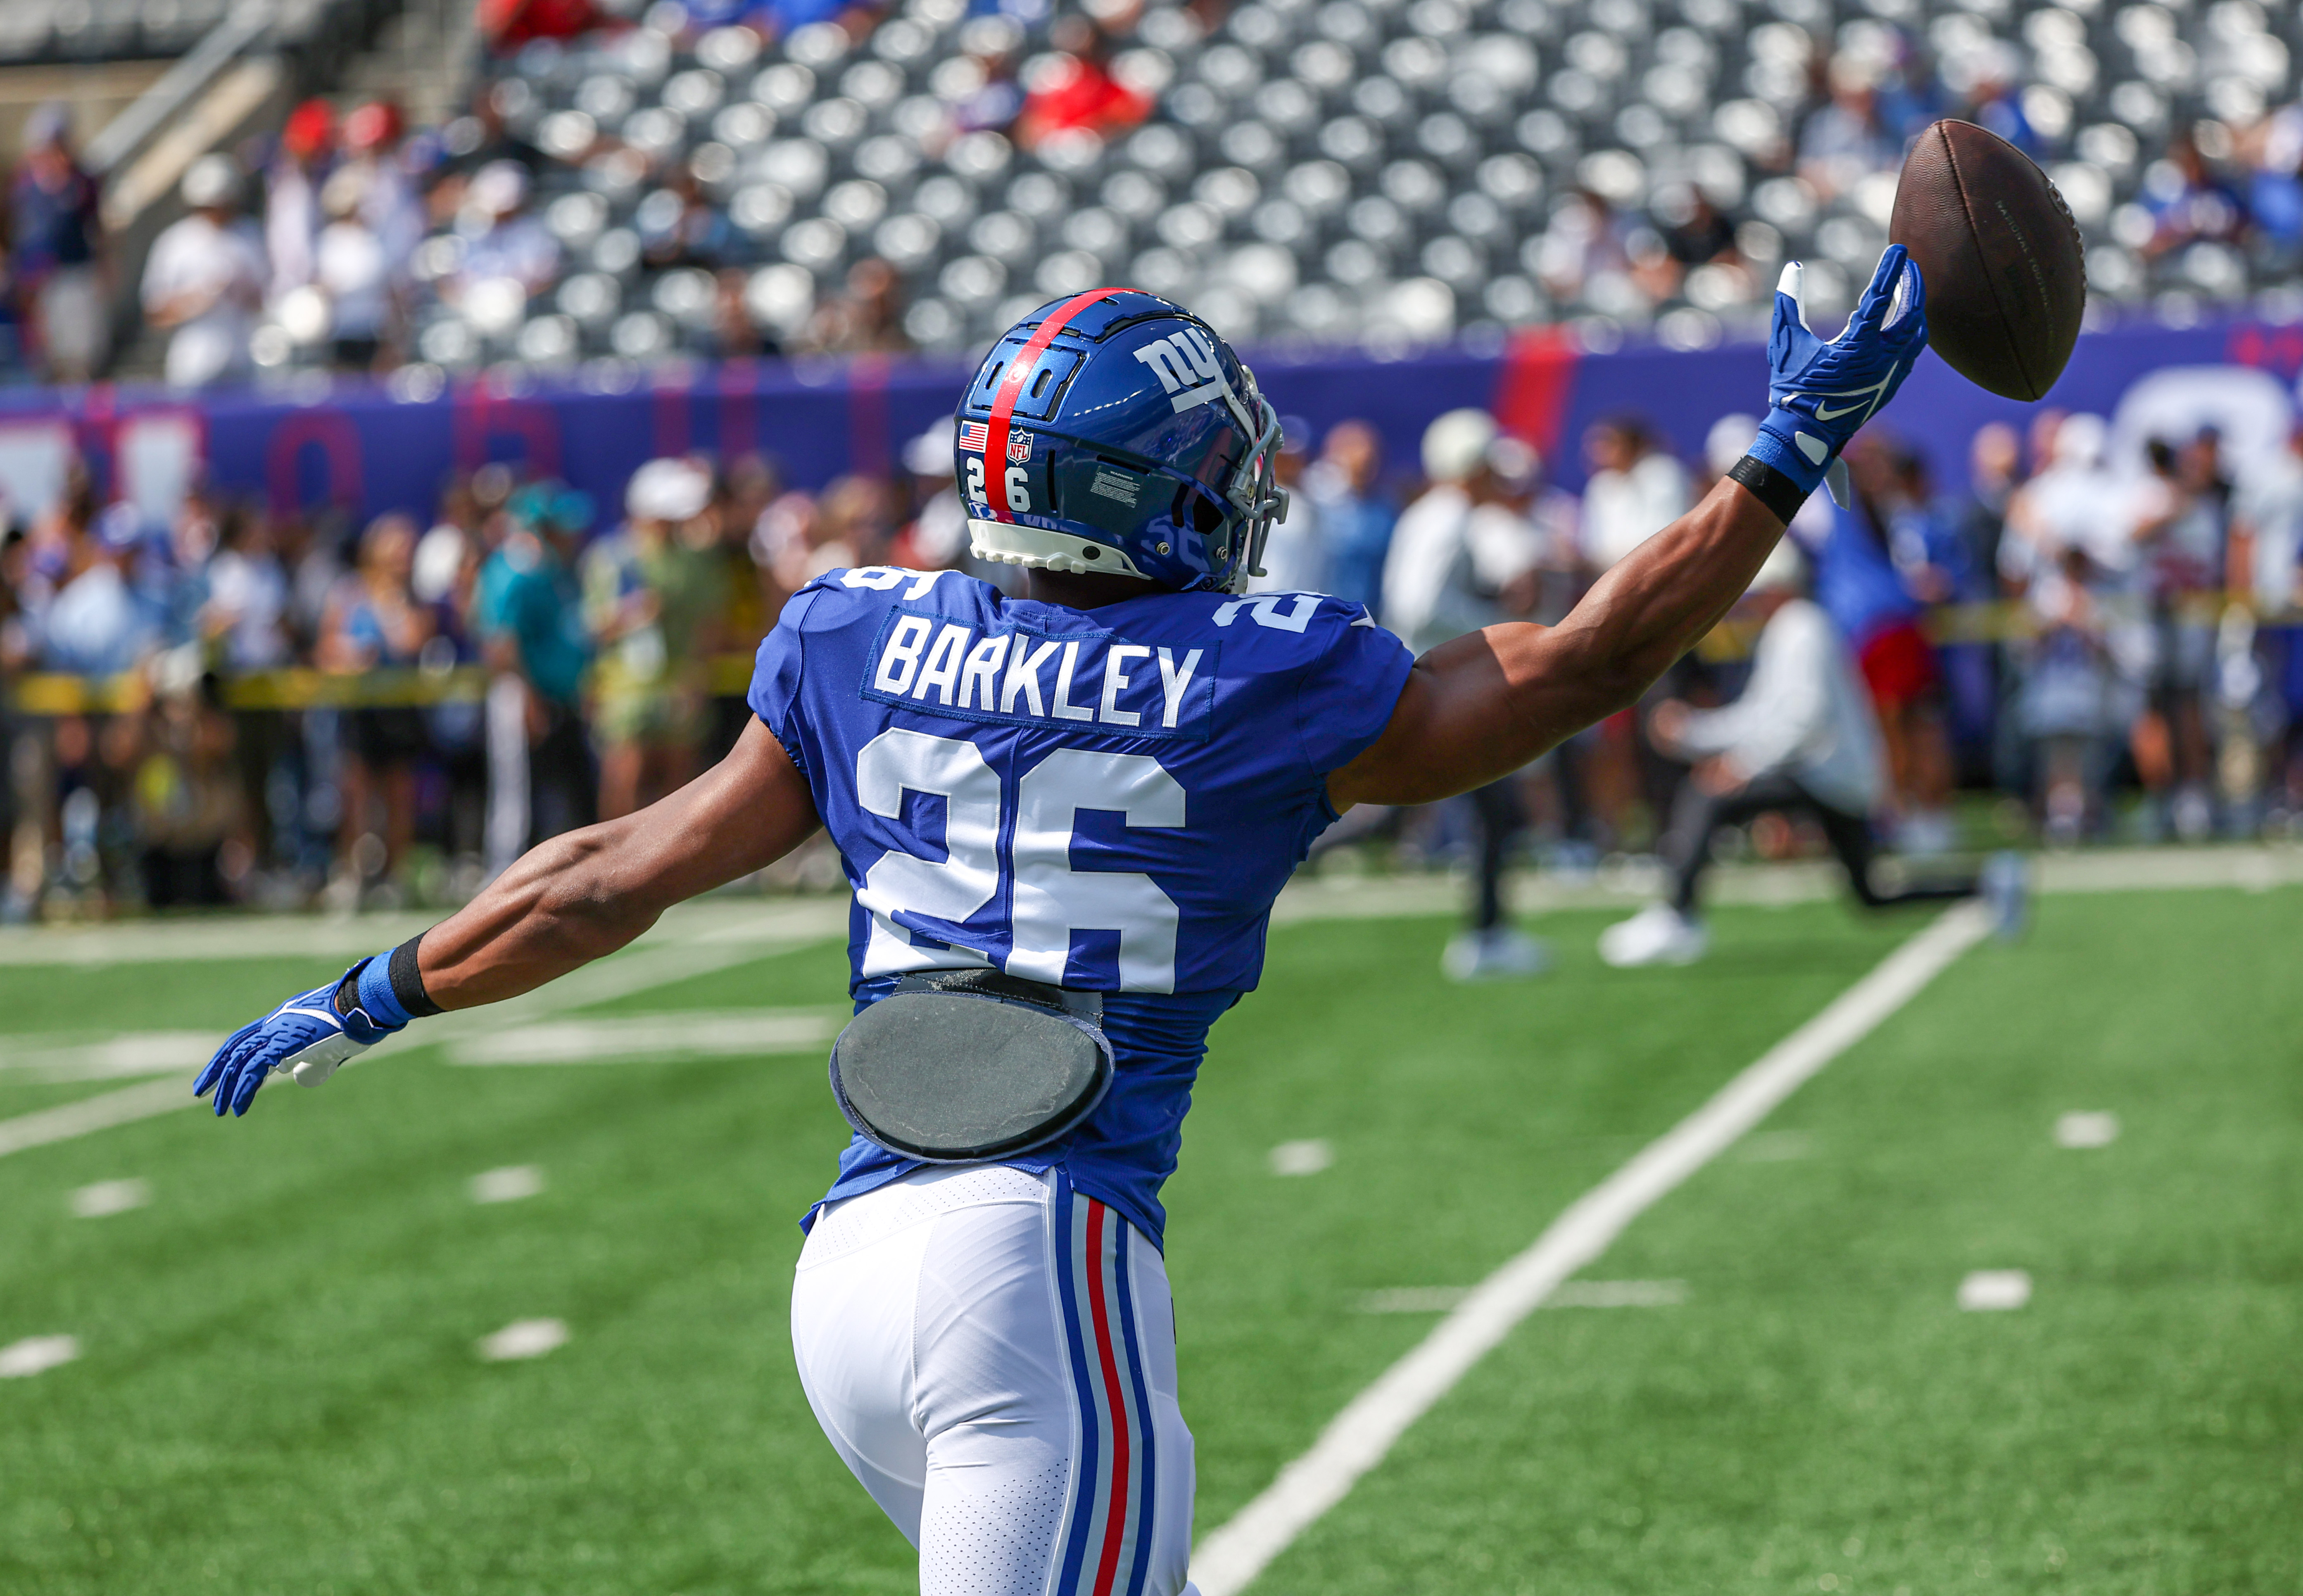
x=1003, y=399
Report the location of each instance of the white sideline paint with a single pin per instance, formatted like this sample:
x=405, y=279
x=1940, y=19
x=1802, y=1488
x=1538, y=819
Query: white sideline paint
x=510, y=1184
x=108, y=1197
x=36, y=1354
x=1994, y=1290
x=123, y=1107
x=1573, y=1294
x=524, y=1338
x=691, y=1034
x=2087, y=1130
x=1357, y=1438
x=1302, y=1158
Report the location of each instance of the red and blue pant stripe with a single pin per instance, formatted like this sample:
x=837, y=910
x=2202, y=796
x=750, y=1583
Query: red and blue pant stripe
x=1108, y=1540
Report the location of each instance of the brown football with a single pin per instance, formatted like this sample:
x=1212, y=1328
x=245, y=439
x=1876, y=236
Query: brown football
x=2001, y=257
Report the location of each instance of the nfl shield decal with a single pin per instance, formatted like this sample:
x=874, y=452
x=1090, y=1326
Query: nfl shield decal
x=1019, y=447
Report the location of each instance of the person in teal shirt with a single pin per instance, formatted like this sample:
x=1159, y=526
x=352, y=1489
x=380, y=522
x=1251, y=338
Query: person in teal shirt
x=528, y=610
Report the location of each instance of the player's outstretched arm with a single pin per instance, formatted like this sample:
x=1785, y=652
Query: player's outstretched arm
x=571, y=900
x=1481, y=707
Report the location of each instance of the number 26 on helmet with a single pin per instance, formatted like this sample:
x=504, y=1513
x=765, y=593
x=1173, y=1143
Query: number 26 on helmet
x=1114, y=432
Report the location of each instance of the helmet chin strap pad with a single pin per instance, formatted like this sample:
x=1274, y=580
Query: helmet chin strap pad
x=1007, y=544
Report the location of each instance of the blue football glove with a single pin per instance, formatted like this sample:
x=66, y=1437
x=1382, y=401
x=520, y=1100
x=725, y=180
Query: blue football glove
x=304, y=1036
x=1820, y=393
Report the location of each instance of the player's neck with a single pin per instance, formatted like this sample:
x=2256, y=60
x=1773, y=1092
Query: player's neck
x=1076, y=592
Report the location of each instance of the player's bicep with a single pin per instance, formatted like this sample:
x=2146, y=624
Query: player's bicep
x=1472, y=711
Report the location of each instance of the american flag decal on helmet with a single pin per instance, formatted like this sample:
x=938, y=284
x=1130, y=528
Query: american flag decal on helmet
x=1019, y=447
x=974, y=435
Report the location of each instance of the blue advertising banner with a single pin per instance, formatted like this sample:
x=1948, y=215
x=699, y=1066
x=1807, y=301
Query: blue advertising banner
x=356, y=446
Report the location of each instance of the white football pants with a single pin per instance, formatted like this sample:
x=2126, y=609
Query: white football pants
x=993, y=1355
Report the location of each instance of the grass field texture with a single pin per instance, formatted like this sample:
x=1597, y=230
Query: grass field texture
x=278, y=1388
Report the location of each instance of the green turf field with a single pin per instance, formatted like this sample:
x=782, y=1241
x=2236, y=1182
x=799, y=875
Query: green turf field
x=277, y=1387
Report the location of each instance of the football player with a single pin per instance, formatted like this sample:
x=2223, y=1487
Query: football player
x=1066, y=818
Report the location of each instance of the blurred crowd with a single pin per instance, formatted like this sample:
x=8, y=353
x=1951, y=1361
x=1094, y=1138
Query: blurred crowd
x=522, y=665
x=2111, y=655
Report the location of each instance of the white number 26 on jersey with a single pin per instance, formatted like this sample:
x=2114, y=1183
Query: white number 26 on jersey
x=1051, y=900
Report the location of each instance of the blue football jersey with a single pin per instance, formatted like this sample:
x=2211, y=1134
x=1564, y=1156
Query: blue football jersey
x=1104, y=800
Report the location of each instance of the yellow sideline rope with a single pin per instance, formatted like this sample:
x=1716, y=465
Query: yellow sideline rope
x=728, y=675
x=56, y=692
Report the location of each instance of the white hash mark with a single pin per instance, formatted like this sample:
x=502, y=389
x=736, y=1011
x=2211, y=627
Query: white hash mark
x=1994, y=1290
x=524, y=1338
x=106, y=1197
x=36, y=1354
x=2087, y=1130
x=507, y=1185
x=1302, y=1158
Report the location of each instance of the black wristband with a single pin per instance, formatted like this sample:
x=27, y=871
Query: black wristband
x=1781, y=495
x=407, y=981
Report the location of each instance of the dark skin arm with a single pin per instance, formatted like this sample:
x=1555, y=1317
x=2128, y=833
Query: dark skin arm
x=582, y=896
x=1481, y=707
x=1472, y=710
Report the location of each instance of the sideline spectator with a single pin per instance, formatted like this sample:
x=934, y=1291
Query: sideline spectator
x=528, y=610
x=1801, y=738
x=373, y=623
x=204, y=280
x=1463, y=557
x=1295, y=554
x=61, y=276
x=936, y=537
x=94, y=626
x=654, y=597
x=1354, y=523
x=1858, y=585
x=2181, y=511
x=1636, y=489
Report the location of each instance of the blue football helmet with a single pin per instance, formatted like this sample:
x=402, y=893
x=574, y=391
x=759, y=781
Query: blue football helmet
x=1113, y=431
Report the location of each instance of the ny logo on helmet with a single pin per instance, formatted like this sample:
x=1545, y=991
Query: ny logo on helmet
x=1186, y=366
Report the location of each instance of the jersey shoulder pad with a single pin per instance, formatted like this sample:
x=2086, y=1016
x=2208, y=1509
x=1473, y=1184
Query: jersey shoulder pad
x=1295, y=626
x=839, y=598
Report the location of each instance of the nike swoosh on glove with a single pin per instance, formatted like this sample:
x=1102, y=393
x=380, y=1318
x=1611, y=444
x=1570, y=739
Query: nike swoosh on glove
x=304, y=1036
x=1820, y=393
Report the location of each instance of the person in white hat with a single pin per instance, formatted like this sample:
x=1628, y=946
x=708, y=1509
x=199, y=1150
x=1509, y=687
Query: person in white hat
x=1457, y=551
x=656, y=593
x=204, y=280
x=1800, y=740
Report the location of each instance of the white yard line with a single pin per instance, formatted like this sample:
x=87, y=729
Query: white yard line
x=101, y=1112
x=1357, y=1438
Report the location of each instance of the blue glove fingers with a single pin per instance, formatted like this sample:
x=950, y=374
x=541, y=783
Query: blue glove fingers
x=222, y=1068
x=244, y=1059
x=1871, y=310
x=250, y=1077
x=216, y=1066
